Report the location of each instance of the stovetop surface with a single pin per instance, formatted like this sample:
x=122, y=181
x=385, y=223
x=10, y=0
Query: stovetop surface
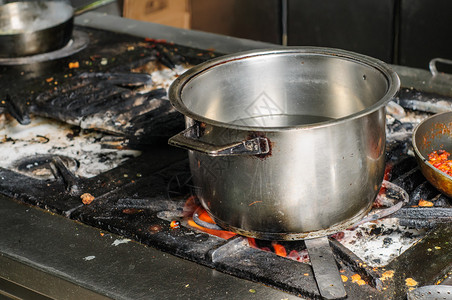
x=142, y=196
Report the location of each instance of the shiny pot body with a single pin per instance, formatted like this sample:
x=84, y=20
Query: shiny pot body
x=286, y=144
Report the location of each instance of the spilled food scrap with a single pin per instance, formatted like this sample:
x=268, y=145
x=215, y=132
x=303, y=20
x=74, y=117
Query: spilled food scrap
x=356, y=278
x=74, y=65
x=87, y=198
x=410, y=282
x=387, y=275
x=425, y=203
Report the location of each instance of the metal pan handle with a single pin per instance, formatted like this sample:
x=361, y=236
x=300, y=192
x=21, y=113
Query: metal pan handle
x=188, y=139
x=432, y=65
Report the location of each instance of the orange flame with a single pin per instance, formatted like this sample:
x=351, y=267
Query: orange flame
x=279, y=249
x=204, y=216
x=294, y=255
x=388, y=169
x=190, y=207
x=386, y=176
x=382, y=191
x=219, y=233
x=252, y=243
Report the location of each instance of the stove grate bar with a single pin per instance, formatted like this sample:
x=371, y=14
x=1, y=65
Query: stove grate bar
x=423, y=217
x=356, y=264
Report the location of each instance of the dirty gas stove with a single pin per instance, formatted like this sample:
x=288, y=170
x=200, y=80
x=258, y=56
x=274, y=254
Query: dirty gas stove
x=84, y=136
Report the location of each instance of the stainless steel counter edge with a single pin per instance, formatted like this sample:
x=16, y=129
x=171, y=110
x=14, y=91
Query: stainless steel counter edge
x=183, y=37
x=423, y=80
x=64, y=259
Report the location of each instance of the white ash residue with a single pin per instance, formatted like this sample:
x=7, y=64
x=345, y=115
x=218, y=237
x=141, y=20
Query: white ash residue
x=377, y=243
x=120, y=241
x=162, y=77
x=49, y=137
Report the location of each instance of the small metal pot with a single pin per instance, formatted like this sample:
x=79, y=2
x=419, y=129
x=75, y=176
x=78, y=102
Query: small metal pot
x=32, y=27
x=285, y=144
x=434, y=133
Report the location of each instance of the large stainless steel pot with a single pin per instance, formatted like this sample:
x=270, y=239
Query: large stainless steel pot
x=286, y=144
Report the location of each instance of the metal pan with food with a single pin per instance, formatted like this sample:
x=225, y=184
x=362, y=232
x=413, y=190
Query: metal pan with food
x=286, y=144
x=434, y=134
x=31, y=27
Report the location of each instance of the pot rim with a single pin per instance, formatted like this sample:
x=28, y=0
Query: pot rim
x=176, y=88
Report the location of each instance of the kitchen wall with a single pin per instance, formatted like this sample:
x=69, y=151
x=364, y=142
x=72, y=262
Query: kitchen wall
x=425, y=31
x=251, y=19
x=406, y=32
x=364, y=26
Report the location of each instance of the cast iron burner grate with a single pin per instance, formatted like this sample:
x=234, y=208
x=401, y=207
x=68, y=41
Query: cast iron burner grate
x=141, y=198
x=133, y=201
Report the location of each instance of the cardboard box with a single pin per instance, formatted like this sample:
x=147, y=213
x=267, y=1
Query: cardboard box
x=174, y=13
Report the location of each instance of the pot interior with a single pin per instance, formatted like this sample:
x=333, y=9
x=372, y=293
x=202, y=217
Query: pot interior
x=284, y=89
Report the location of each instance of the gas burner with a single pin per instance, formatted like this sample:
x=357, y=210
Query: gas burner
x=208, y=225
x=42, y=166
x=78, y=42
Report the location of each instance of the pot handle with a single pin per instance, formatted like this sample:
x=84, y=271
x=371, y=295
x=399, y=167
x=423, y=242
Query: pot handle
x=188, y=139
x=432, y=65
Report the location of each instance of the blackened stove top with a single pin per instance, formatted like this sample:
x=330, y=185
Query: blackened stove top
x=147, y=193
